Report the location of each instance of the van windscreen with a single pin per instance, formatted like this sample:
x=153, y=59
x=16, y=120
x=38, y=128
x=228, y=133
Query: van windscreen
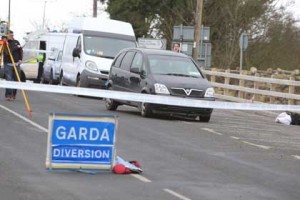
x=104, y=46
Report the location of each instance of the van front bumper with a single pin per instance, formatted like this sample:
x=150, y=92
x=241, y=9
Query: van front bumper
x=93, y=80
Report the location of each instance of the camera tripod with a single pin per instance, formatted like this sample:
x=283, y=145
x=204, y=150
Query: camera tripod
x=4, y=44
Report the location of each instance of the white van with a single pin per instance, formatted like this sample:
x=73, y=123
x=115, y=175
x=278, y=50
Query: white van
x=36, y=43
x=89, y=49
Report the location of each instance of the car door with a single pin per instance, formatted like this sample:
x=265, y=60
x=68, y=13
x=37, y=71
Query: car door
x=137, y=71
x=57, y=66
x=122, y=82
x=49, y=64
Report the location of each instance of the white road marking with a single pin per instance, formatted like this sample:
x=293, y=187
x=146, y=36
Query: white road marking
x=296, y=157
x=141, y=178
x=211, y=131
x=187, y=122
x=233, y=137
x=176, y=194
x=256, y=145
x=24, y=119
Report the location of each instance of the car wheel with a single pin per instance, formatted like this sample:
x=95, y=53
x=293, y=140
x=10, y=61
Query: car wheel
x=145, y=109
x=204, y=118
x=110, y=104
x=51, y=78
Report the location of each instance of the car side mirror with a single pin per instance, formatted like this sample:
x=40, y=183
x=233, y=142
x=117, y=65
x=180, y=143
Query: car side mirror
x=143, y=73
x=135, y=70
x=76, y=52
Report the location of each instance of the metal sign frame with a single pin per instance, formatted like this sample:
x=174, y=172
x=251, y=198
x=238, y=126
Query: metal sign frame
x=81, y=142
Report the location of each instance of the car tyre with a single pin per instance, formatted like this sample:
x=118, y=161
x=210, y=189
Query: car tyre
x=145, y=109
x=110, y=104
x=51, y=78
x=204, y=118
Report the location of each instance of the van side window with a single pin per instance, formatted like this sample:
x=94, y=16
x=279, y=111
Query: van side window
x=137, y=63
x=118, y=60
x=127, y=60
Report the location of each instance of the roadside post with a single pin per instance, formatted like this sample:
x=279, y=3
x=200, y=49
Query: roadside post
x=243, y=47
x=81, y=142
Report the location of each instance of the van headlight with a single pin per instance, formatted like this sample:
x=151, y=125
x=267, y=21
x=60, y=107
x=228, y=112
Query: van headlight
x=91, y=65
x=161, y=89
x=210, y=92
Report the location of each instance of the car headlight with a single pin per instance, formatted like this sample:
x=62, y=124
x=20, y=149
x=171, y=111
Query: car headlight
x=161, y=89
x=91, y=65
x=210, y=92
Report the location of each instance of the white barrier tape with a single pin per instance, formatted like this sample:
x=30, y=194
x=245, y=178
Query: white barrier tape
x=157, y=99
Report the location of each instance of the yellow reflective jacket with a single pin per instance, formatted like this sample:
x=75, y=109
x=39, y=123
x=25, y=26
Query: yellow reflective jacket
x=41, y=57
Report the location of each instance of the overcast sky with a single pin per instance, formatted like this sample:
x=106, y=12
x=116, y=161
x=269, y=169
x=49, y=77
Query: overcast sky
x=26, y=13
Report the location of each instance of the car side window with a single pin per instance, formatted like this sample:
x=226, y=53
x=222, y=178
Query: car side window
x=127, y=60
x=118, y=60
x=137, y=63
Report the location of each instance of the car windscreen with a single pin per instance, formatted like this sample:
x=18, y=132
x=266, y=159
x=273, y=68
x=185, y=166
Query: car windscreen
x=173, y=65
x=105, y=46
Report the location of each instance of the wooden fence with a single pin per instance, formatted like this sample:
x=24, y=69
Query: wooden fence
x=246, y=88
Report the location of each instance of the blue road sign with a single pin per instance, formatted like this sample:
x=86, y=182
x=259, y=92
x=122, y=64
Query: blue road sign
x=81, y=141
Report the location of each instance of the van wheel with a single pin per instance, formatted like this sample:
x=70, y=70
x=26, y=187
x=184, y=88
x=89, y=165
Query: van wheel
x=110, y=104
x=145, y=109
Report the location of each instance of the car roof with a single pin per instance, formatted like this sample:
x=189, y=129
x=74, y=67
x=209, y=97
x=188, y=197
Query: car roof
x=158, y=52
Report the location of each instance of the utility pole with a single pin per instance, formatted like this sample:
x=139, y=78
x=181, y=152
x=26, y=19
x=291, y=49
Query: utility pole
x=45, y=2
x=9, y=14
x=197, y=29
x=95, y=8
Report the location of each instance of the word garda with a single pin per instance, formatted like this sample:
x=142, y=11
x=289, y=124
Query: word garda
x=81, y=133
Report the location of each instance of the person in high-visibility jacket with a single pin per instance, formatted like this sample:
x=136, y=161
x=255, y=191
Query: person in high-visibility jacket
x=41, y=57
x=41, y=60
